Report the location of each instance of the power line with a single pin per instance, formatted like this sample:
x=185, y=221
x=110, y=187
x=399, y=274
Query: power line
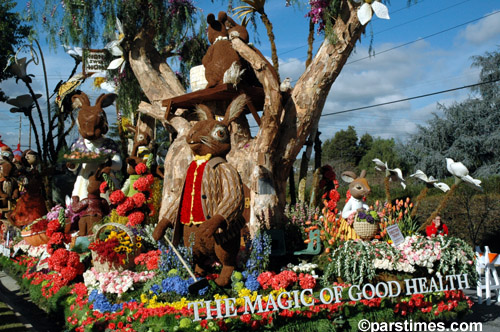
x=426, y=37
x=419, y=39
x=410, y=98
x=405, y=99
x=316, y=41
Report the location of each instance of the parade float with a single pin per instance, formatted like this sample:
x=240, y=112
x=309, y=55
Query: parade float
x=199, y=242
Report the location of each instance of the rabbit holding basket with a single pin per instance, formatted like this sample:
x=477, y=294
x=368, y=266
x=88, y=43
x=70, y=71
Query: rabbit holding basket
x=359, y=188
x=92, y=126
x=211, y=201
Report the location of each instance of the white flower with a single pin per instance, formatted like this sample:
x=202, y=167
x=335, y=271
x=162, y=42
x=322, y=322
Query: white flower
x=366, y=11
x=100, y=81
x=75, y=52
x=115, y=48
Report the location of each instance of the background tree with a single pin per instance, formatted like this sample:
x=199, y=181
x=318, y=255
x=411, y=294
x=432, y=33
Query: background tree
x=383, y=149
x=12, y=34
x=468, y=131
x=342, y=148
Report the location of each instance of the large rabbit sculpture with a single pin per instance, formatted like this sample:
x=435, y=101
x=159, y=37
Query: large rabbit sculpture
x=211, y=202
x=92, y=126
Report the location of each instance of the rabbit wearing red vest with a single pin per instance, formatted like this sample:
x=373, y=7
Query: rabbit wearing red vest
x=211, y=201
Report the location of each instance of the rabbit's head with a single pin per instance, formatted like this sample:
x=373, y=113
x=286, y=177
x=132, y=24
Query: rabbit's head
x=92, y=121
x=212, y=136
x=216, y=27
x=358, y=186
x=96, y=179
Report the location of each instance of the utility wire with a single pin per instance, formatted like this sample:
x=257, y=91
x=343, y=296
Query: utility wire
x=405, y=99
x=388, y=29
x=410, y=98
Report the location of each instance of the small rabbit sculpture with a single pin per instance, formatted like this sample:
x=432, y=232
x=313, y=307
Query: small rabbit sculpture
x=211, y=202
x=92, y=126
x=359, y=188
x=92, y=208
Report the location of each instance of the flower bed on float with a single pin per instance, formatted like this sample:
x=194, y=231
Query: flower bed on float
x=125, y=281
x=155, y=296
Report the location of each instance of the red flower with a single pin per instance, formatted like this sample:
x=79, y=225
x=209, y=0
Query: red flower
x=39, y=226
x=116, y=197
x=347, y=195
x=142, y=184
x=246, y=318
x=307, y=281
x=135, y=218
x=53, y=227
x=150, y=179
x=103, y=187
x=139, y=199
x=125, y=206
x=265, y=279
x=141, y=168
x=284, y=280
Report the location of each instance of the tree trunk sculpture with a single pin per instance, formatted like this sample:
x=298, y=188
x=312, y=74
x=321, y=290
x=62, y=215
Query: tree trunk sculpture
x=264, y=161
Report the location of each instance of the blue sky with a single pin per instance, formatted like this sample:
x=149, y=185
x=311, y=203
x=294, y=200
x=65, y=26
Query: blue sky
x=440, y=37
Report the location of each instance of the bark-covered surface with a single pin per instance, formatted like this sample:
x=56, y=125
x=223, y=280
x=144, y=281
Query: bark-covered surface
x=263, y=161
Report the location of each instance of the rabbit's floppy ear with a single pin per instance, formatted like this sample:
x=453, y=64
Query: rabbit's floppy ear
x=222, y=17
x=348, y=176
x=105, y=100
x=234, y=109
x=80, y=100
x=204, y=112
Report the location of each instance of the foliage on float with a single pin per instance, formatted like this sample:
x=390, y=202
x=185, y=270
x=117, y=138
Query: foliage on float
x=417, y=255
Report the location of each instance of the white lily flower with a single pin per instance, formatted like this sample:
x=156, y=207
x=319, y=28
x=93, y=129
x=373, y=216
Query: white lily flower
x=365, y=12
x=116, y=50
x=75, y=52
x=100, y=81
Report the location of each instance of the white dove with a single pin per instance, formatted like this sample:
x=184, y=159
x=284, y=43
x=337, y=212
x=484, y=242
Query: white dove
x=461, y=173
x=442, y=186
x=430, y=181
x=395, y=175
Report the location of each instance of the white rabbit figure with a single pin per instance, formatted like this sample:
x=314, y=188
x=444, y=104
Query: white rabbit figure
x=359, y=188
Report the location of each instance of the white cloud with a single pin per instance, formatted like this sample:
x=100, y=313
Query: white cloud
x=483, y=31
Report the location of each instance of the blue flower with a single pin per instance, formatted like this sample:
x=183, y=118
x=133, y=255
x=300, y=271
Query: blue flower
x=251, y=283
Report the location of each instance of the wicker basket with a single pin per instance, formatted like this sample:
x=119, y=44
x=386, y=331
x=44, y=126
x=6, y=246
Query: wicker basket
x=35, y=239
x=365, y=230
x=108, y=266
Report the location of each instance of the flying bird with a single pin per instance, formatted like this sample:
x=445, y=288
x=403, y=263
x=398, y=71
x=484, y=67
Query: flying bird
x=430, y=181
x=461, y=173
x=394, y=175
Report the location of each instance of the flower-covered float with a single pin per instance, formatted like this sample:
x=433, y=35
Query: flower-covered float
x=123, y=280
x=100, y=262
